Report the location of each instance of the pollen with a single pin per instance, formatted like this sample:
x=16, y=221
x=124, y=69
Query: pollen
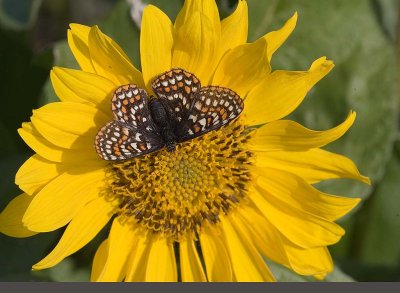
x=178, y=192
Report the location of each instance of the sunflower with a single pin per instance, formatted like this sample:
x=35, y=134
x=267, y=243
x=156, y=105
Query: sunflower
x=220, y=203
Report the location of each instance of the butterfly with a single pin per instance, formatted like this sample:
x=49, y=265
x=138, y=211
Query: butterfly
x=180, y=110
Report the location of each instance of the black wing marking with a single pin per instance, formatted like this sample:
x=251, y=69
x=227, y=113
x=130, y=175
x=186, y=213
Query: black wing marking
x=212, y=108
x=117, y=141
x=176, y=90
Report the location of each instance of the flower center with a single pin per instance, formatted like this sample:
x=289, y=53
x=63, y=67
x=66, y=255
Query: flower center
x=176, y=192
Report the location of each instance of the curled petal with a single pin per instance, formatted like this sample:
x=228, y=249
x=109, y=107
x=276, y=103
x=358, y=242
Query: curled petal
x=282, y=91
x=313, y=165
x=286, y=135
x=276, y=38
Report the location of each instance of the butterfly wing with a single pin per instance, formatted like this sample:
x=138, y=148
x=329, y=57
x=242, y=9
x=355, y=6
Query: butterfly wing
x=212, y=108
x=117, y=141
x=176, y=90
x=133, y=133
x=130, y=105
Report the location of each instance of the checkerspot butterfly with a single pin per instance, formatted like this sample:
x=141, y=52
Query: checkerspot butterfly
x=181, y=110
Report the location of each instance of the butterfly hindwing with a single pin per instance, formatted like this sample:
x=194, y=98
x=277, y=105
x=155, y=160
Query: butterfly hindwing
x=212, y=108
x=176, y=89
x=119, y=141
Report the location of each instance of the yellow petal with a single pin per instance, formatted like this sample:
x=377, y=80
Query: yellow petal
x=82, y=87
x=99, y=260
x=272, y=244
x=11, y=217
x=312, y=165
x=243, y=67
x=216, y=257
x=247, y=264
x=309, y=261
x=156, y=40
x=82, y=229
x=60, y=200
x=295, y=192
x=121, y=241
x=78, y=43
x=300, y=227
x=161, y=263
x=137, y=262
x=110, y=61
x=286, y=135
x=35, y=173
x=207, y=7
x=234, y=28
x=276, y=38
x=196, y=48
x=69, y=125
x=264, y=235
x=191, y=268
x=281, y=93
x=51, y=152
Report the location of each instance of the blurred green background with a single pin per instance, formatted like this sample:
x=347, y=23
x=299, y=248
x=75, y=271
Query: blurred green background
x=361, y=36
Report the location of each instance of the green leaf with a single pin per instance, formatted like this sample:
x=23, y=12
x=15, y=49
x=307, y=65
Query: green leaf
x=19, y=16
x=380, y=221
x=387, y=13
x=363, y=79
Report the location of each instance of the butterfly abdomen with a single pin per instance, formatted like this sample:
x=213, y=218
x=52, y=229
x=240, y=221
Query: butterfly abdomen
x=161, y=118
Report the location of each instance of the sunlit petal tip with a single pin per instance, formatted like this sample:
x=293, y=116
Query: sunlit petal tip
x=156, y=42
x=11, y=223
x=322, y=64
x=278, y=37
x=234, y=28
x=82, y=229
x=79, y=27
x=110, y=61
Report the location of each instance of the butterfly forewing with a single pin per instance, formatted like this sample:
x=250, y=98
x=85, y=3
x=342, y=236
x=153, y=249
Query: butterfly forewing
x=176, y=90
x=133, y=132
x=212, y=108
